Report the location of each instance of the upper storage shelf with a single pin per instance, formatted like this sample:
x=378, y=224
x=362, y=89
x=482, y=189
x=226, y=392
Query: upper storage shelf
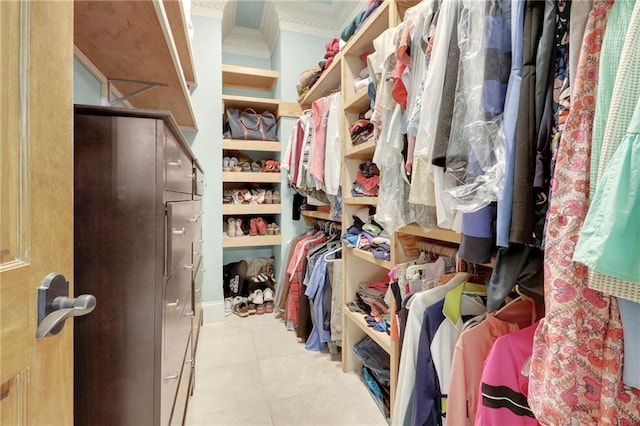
x=141, y=42
x=248, y=78
x=328, y=82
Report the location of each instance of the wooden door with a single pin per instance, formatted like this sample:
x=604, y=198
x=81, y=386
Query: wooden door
x=36, y=200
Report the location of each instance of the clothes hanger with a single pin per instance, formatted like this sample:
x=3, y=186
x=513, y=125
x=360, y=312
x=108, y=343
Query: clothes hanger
x=332, y=252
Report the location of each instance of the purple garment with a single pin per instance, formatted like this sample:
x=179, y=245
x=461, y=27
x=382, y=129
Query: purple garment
x=426, y=398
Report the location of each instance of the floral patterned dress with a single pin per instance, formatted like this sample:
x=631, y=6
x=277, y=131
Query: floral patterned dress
x=576, y=365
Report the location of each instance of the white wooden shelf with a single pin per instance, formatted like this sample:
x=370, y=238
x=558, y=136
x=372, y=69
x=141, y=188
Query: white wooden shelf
x=368, y=257
x=251, y=241
x=136, y=41
x=363, y=151
x=242, y=209
x=251, y=177
x=358, y=102
x=433, y=233
x=328, y=83
x=319, y=215
x=360, y=201
x=376, y=24
x=178, y=23
x=382, y=339
x=248, y=78
x=251, y=145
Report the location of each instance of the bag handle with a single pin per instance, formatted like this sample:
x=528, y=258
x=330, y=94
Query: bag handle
x=257, y=123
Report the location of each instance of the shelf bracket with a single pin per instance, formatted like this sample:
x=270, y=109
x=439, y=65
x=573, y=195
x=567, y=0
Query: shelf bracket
x=147, y=85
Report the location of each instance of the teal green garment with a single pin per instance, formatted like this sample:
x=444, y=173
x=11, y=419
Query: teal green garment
x=612, y=43
x=609, y=240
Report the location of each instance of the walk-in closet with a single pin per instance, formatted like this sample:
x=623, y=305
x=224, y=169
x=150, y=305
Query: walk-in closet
x=320, y=212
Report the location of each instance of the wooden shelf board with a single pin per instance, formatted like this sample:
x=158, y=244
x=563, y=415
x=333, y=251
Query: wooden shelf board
x=251, y=177
x=319, y=215
x=259, y=104
x=377, y=23
x=364, y=151
x=245, y=145
x=435, y=233
x=382, y=339
x=248, y=78
x=328, y=83
x=290, y=109
x=361, y=201
x=178, y=23
x=252, y=241
x=368, y=257
x=237, y=209
x=132, y=40
x=358, y=102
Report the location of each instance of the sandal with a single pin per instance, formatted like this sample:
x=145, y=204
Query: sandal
x=225, y=164
x=275, y=228
x=241, y=310
x=271, y=166
x=268, y=197
x=246, y=167
x=231, y=228
x=258, y=196
x=255, y=167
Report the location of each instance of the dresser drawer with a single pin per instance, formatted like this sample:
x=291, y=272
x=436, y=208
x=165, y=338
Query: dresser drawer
x=198, y=183
x=178, y=168
x=197, y=231
x=184, y=387
x=172, y=373
x=180, y=224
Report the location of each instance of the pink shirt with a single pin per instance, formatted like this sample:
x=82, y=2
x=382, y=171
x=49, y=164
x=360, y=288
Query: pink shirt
x=320, y=111
x=505, y=382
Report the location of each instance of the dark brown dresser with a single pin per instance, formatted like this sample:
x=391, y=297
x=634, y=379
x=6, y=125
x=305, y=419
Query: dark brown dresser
x=138, y=249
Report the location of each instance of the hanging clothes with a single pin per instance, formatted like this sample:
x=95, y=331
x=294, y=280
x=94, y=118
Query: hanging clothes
x=577, y=353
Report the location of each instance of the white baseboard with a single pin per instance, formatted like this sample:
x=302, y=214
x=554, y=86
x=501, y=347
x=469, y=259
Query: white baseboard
x=212, y=312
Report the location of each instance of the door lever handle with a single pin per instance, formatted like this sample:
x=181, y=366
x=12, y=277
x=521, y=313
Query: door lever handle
x=55, y=306
x=65, y=307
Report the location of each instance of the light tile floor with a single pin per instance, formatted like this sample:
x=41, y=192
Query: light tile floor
x=252, y=371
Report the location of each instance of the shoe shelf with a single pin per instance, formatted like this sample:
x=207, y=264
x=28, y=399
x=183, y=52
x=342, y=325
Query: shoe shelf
x=251, y=241
x=382, y=339
x=363, y=151
x=328, y=83
x=251, y=177
x=367, y=256
x=246, y=145
x=251, y=209
x=361, y=201
x=358, y=102
x=248, y=78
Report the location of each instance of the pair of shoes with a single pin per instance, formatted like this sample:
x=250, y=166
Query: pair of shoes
x=272, y=197
x=268, y=300
x=230, y=164
x=257, y=298
x=273, y=229
x=241, y=309
x=271, y=166
x=234, y=228
x=257, y=226
x=257, y=196
x=228, y=306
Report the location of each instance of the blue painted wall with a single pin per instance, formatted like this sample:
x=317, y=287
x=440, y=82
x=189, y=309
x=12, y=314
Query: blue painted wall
x=86, y=89
x=207, y=146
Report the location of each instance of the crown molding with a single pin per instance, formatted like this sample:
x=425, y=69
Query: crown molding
x=247, y=42
x=209, y=8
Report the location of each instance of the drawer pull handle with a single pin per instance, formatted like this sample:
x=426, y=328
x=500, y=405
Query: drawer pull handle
x=172, y=304
x=200, y=241
x=188, y=361
x=191, y=176
x=189, y=314
x=172, y=377
x=196, y=252
x=188, y=266
x=174, y=163
x=179, y=231
x=193, y=219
